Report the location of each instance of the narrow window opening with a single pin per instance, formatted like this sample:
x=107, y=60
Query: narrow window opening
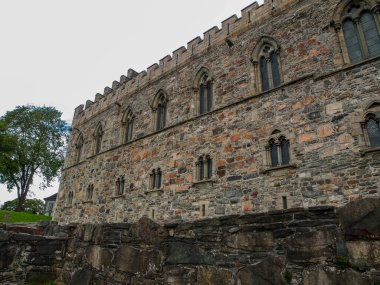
x=284, y=202
x=203, y=210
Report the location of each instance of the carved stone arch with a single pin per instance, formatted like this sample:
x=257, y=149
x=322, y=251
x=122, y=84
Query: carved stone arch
x=161, y=93
x=264, y=40
x=79, y=139
x=339, y=9
x=371, y=104
x=341, y=16
x=99, y=129
x=199, y=75
x=267, y=68
x=127, y=113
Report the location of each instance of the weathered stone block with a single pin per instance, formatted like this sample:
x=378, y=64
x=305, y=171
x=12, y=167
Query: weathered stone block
x=184, y=253
x=267, y=272
x=99, y=257
x=133, y=260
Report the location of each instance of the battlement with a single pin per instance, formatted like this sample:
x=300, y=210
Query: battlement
x=252, y=15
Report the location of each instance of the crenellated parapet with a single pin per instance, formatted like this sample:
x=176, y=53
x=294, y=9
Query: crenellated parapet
x=251, y=16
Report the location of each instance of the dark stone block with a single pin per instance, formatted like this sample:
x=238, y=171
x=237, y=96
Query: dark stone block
x=231, y=193
x=310, y=247
x=184, y=253
x=267, y=272
x=360, y=219
x=234, y=178
x=7, y=255
x=133, y=260
x=81, y=277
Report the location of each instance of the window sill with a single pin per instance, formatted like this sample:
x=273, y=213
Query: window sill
x=204, y=182
x=87, y=202
x=152, y=191
x=369, y=150
x=117, y=196
x=281, y=167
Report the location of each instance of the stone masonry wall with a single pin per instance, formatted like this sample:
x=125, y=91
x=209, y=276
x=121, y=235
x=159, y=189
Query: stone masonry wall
x=319, y=245
x=319, y=107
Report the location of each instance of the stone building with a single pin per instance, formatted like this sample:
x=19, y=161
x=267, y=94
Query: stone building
x=276, y=109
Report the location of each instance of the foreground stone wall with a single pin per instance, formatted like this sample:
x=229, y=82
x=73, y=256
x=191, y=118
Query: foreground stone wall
x=319, y=245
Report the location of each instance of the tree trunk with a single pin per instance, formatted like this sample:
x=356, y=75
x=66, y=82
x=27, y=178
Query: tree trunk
x=20, y=204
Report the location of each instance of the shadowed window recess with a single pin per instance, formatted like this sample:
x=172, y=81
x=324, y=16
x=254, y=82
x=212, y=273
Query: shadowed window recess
x=156, y=179
x=204, y=168
x=277, y=150
x=361, y=31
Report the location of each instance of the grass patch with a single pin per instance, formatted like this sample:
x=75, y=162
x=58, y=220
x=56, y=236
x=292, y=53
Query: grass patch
x=23, y=217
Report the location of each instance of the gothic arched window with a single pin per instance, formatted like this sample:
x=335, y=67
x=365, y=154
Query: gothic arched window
x=373, y=130
x=98, y=138
x=120, y=185
x=361, y=31
x=203, y=87
x=204, y=168
x=156, y=179
x=160, y=108
x=79, y=148
x=128, y=122
x=277, y=150
x=267, y=64
x=90, y=192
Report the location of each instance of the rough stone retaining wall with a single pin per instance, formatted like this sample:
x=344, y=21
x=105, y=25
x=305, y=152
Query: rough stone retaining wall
x=320, y=245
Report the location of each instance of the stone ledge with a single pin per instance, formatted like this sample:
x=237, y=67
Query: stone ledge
x=153, y=191
x=205, y=182
x=88, y=202
x=270, y=169
x=369, y=150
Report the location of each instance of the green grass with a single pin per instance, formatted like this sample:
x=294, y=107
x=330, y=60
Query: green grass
x=23, y=217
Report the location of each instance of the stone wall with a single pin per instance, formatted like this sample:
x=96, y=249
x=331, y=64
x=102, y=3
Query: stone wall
x=319, y=245
x=319, y=108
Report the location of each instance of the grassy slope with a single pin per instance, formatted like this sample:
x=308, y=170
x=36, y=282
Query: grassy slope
x=23, y=217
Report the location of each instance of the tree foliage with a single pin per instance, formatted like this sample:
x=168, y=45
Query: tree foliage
x=38, y=135
x=34, y=206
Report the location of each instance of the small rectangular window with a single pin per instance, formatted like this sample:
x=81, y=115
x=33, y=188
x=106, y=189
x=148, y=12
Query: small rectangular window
x=284, y=202
x=203, y=210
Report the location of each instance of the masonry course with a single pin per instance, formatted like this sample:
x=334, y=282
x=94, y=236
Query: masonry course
x=318, y=245
x=320, y=107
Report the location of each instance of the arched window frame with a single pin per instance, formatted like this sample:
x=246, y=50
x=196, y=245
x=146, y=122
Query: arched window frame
x=120, y=186
x=156, y=179
x=160, y=110
x=267, y=65
x=203, y=87
x=204, y=168
x=98, y=136
x=79, y=148
x=70, y=198
x=90, y=192
x=277, y=150
x=342, y=14
x=127, y=122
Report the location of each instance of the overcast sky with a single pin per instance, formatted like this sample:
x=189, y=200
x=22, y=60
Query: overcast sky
x=61, y=53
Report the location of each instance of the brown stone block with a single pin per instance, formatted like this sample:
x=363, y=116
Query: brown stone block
x=228, y=148
x=99, y=257
x=235, y=137
x=211, y=275
x=325, y=131
x=305, y=137
x=327, y=187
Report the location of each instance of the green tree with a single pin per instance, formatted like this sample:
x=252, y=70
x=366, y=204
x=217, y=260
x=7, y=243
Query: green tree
x=7, y=142
x=38, y=149
x=34, y=206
